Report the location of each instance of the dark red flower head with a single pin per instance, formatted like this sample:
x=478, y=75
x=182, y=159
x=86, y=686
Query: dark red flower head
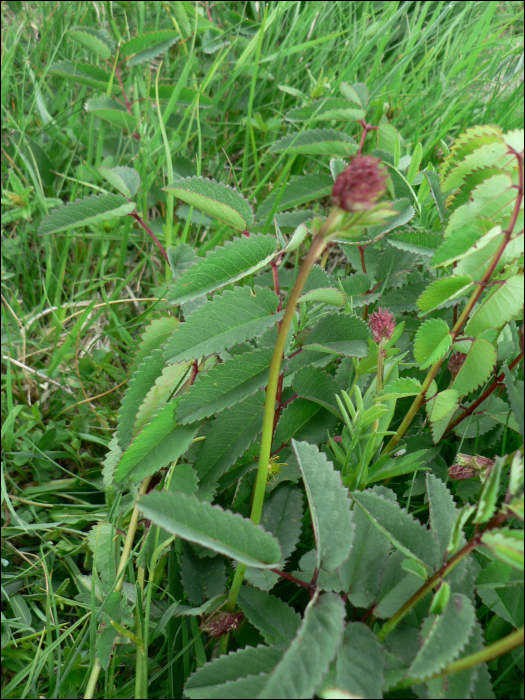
x=221, y=623
x=382, y=324
x=359, y=186
x=455, y=363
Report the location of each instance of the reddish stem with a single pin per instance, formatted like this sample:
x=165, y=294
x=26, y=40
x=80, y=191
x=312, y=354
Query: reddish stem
x=153, y=236
x=128, y=106
x=194, y=373
x=288, y=577
x=495, y=384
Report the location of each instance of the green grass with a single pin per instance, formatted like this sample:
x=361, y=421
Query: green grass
x=73, y=303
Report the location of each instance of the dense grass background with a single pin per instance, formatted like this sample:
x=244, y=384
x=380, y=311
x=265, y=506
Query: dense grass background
x=72, y=304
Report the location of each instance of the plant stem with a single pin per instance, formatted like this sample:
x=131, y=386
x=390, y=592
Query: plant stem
x=153, y=236
x=493, y=651
x=128, y=546
x=438, y=576
x=316, y=248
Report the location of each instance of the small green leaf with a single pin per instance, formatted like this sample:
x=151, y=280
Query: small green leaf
x=334, y=297
x=210, y=526
x=476, y=368
x=230, y=263
x=442, y=404
x=86, y=212
x=515, y=393
x=437, y=194
x=225, y=385
x=441, y=291
x=457, y=538
x=124, y=179
x=414, y=567
x=112, y=111
x=146, y=47
x=440, y=599
x=299, y=190
x=432, y=342
x=360, y=663
x=506, y=545
x=298, y=237
x=489, y=494
x=501, y=306
x=329, y=506
x=421, y=242
x=218, y=200
x=275, y=619
x=307, y=658
x=405, y=386
x=444, y=637
x=443, y=512
x=96, y=40
x=323, y=142
x=390, y=467
x=231, y=318
x=202, y=579
x=318, y=386
x=399, y=527
x=83, y=73
x=341, y=334
x=326, y=109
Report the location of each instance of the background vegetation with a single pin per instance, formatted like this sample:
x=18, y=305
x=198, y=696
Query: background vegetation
x=72, y=303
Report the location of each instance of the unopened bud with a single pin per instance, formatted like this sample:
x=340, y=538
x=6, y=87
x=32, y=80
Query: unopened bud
x=221, y=623
x=360, y=185
x=455, y=363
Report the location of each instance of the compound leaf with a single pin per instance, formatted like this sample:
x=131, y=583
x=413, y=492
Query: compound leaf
x=210, y=526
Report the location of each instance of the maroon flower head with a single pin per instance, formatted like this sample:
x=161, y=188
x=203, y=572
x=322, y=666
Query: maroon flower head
x=359, y=186
x=219, y=624
x=469, y=466
x=382, y=324
x=460, y=473
x=455, y=363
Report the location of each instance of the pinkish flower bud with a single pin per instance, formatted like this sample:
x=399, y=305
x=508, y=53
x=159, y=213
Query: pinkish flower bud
x=459, y=473
x=382, y=324
x=455, y=363
x=359, y=186
x=221, y=623
x=483, y=464
x=338, y=438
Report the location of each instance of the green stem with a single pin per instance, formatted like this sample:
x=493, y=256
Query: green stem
x=318, y=244
x=128, y=546
x=493, y=651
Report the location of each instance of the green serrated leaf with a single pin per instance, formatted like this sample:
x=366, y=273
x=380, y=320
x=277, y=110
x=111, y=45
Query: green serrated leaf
x=83, y=73
x=444, y=637
x=476, y=368
x=334, y=297
x=406, y=213
x=310, y=653
x=154, y=336
x=403, y=299
x=146, y=47
x=341, y=334
x=437, y=194
x=225, y=385
x=160, y=442
x=360, y=662
x=462, y=243
x=299, y=190
x=442, y=404
x=489, y=494
x=124, y=179
x=441, y=291
x=443, y=512
x=395, y=466
x=210, y=526
x=111, y=460
x=486, y=156
x=432, y=342
x=230, y=263
x=112, y=111
x=218, y=200
x=398, y=526
x=275, y=619
x=215, y=679
x=326, y=109
x=101, y=542
x=329, y=506
x=96, y=40
x=318, y=386
x=416, y=242
x=504, y=303
x=323, y=142
x=303, y=419
x=202, y=579
x=231, y=318
x=506, y=545
x=86, y=212
x=140, y=383
x=405, y=386
x=230, y=435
